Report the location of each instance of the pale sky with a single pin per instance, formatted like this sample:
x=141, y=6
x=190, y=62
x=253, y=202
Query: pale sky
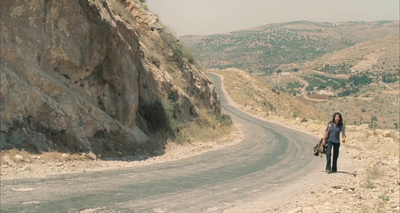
x=202, y=17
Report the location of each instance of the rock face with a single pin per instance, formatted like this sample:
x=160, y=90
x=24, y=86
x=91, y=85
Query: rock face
x=90, y=75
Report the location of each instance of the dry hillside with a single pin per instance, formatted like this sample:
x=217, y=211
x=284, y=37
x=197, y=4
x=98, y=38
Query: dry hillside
x=378, y=55
x=263, y=49
x=351, y=67
x=361, y=81
x=254, y=96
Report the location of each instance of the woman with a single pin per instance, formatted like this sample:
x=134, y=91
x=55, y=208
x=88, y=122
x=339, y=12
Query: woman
x=333, y=134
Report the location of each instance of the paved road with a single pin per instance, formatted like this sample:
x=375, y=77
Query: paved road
x=269, y=159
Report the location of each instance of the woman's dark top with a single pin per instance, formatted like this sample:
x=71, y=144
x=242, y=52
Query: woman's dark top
x=334, y=132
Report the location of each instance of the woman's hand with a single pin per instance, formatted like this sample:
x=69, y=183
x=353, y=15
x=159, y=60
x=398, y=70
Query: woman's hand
x=344, y=140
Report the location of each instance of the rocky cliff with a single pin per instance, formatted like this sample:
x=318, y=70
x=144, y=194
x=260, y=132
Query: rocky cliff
x=92, y=75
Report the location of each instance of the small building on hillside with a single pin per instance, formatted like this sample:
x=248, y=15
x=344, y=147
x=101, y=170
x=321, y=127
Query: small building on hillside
x=325, y=92
x=284, y=73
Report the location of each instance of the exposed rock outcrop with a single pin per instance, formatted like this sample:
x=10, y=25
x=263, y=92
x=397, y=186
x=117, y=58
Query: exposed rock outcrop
x=90, y=75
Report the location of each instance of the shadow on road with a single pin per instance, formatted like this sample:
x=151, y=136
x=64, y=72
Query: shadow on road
x=343, y=172
x=349, y=173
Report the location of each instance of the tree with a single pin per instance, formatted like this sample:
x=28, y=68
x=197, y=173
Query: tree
x=373, y=124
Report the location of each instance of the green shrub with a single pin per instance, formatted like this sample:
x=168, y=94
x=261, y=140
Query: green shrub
x=182, y=54
x=225, y=120
x=361, y=79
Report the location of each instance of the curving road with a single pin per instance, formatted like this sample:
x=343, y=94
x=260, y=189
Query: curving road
x=269, y=160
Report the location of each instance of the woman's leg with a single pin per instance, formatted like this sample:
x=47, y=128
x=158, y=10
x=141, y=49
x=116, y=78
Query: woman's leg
x=335, y=156
x=328, y=156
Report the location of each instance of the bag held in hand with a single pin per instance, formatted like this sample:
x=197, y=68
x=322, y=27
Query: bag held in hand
x=319, y=148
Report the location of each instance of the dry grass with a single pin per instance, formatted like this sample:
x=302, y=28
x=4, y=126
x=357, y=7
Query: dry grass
x=383, y=105
x=122, y=12
x=374, y=172
x=208, y=127
x=202, y=133
x=362, y=56
x=254, y=96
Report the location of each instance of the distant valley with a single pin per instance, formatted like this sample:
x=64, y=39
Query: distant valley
x=352, y=67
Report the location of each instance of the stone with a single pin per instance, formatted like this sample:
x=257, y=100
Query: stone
x=7, y=160
x=308, y=209
x=65, y=156
x=18, y=157
x=298, y=209
x=27, y=168
x=91, y=156
x=386, y=134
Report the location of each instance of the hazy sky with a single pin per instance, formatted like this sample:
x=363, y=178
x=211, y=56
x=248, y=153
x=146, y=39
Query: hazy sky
x=200, y=17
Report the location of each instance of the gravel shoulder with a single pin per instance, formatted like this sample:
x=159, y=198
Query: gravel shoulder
x=17, y=164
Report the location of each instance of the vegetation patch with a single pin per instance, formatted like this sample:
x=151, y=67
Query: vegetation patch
x=112, y=143
x=182, y=54
x=34, y=137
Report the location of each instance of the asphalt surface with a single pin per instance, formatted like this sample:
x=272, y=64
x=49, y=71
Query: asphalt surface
x=270, y=159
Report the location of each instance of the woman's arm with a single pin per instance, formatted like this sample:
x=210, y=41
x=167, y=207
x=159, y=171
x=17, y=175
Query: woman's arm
x=325, y=136
x=343, y=135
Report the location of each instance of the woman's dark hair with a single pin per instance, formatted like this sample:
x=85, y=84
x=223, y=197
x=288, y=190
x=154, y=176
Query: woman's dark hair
x=340, y=118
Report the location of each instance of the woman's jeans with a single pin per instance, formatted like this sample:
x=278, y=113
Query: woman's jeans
x=335, y=156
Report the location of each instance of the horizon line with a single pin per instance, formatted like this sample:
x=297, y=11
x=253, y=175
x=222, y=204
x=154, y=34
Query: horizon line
x=252, y=28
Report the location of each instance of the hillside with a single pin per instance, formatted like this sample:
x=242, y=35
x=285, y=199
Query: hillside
x=361, y=81
x=97, y=76
x=351, y=67
x=253, y=95
x=262, y=49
